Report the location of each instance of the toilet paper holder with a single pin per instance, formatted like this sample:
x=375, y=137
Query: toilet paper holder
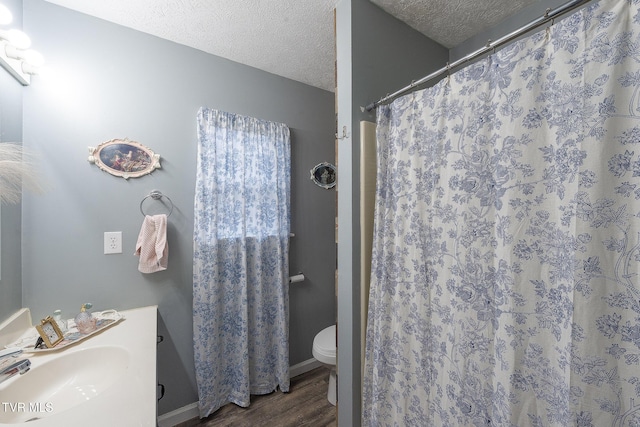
x=297, y=278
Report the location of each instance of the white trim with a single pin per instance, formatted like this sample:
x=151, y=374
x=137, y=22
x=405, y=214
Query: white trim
x=179, y=415
x=303, y=367
x=190, y=411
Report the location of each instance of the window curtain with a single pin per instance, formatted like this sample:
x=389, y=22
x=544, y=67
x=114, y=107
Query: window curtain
x=241, y=259
x=505, y=280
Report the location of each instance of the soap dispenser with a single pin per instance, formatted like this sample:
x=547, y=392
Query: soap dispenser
x=85, y=322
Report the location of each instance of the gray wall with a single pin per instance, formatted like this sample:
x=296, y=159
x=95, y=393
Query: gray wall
x=112, y=82
x=10, y=131
x=377, y=54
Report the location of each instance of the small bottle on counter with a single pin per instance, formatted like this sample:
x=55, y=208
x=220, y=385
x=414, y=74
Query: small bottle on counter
x=62, y=324
x=84, y=321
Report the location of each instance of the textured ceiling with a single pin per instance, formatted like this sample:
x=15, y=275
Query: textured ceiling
x=290, y=38
x=450, y=22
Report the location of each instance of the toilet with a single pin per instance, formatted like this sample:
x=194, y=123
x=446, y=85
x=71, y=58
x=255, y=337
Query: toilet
x=324, y=351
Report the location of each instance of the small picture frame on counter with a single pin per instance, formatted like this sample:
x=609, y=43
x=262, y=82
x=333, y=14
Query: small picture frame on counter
x=49, y=332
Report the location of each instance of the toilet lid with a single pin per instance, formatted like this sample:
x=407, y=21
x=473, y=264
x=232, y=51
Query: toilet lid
x=325, y=342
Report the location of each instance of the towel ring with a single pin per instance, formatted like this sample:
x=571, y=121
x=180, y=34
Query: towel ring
x=156, y=195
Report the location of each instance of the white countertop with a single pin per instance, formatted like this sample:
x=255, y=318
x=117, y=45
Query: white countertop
x=129, y=402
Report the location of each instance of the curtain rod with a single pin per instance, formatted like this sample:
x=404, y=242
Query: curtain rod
x=548, y=16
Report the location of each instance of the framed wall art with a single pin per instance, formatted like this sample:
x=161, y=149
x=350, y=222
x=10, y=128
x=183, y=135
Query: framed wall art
x=124, y=158
x=324, y=175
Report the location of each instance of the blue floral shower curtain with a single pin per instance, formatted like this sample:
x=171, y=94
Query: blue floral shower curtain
x=241, y=259
x=505, y=280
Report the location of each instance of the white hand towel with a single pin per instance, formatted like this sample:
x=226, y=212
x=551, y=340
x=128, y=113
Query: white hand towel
x=152, y=246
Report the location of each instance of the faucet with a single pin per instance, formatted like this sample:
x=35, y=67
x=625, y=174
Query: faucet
x=19, y=367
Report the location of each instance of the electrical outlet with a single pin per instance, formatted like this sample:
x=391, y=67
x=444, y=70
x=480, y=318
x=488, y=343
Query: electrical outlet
x=113, y=242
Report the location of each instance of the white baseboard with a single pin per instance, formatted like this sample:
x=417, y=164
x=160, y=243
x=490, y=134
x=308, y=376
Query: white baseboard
x=303, y=367
x=179, y=415
x=190, y=411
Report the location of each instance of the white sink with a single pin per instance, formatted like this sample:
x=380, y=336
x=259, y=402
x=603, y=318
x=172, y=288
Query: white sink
x=106, y=380
x=70, y=379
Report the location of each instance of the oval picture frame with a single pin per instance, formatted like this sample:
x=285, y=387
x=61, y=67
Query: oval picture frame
x=124, y=158
x=324, y=175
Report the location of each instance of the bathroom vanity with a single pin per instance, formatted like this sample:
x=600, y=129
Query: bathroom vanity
x=106, y=380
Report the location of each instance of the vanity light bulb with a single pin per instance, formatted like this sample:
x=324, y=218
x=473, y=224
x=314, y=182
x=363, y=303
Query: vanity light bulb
x=33, y=58
x=5, y=15
x=29, y=69
x=16, y=38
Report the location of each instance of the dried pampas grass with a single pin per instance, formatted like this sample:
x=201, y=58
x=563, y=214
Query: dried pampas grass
x=17, y=172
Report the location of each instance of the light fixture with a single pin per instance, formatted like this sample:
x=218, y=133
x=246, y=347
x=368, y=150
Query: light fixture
x=30, y=60
x=15, y=55
x=16, y=38
x=29, y=56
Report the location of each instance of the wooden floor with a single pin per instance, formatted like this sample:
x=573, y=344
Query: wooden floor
x=306, y=404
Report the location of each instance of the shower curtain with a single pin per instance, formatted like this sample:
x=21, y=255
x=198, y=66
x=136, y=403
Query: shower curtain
x=241, y=259
x=505, y=287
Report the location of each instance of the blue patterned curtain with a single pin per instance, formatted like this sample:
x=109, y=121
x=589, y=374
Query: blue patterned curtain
x=241, y=259
x=505, y=287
